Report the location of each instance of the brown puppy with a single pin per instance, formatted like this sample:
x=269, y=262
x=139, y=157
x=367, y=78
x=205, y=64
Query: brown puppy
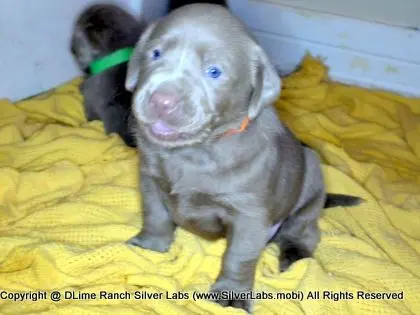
x=215, y=159
x=102, y=30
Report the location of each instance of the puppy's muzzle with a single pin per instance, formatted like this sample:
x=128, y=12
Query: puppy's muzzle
x=164, y=103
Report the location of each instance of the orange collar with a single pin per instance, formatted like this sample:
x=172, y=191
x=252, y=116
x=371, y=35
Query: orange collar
x=244, y=125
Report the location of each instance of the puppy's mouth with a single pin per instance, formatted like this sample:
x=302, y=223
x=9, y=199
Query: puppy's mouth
x=160, y=132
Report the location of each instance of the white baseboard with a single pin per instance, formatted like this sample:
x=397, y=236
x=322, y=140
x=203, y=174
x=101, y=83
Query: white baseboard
x=357, y=52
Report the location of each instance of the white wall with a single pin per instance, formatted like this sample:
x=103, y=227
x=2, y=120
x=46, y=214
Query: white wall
x=34, y=41
x=356, y=51
x=403, y=13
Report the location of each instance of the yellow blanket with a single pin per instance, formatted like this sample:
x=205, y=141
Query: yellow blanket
x=69, y=200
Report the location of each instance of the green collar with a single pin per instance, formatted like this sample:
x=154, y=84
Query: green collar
x=117, y=57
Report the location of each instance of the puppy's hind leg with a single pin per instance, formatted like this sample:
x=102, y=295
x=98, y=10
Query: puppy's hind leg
x=299, y=235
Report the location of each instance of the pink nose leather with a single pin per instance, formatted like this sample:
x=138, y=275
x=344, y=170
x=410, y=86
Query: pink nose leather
x=164, y=102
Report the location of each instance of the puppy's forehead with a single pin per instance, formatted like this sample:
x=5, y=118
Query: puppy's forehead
x=202, y=23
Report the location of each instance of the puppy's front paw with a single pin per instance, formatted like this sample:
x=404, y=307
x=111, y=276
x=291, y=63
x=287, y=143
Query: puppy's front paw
x=147, y=241
x=224, y=292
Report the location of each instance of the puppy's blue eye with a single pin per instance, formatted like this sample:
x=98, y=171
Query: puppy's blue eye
x=156, y=54
x=214, y=72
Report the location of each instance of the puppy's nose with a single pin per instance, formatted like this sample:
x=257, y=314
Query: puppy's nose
x=164, y=102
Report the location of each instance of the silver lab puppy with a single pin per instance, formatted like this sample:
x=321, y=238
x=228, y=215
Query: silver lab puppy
x=100, y=30
x=215, y=158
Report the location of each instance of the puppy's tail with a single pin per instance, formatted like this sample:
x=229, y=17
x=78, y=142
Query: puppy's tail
x=335, y=200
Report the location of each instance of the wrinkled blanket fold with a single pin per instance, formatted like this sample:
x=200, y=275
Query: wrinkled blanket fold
x=69, y=201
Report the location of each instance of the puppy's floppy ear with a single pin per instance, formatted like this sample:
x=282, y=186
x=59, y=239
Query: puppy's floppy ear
x=266, y=83
x=135, y=62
